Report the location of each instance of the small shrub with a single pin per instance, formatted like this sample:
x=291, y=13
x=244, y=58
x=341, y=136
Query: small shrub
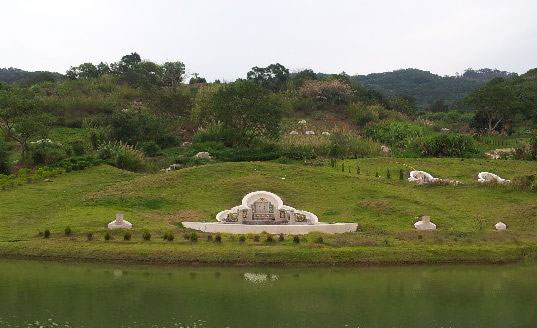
x=210, y=238
x=401, y=174
x=296, y=239
x=319, y=240
x=77, y=148
x=171, y=237
x=256, y=238
x=357, y=170
x=269, y=239
x=150, y=149
x=186, y=236
x=127, y=236
x=193, y=237
x=89, y=236
x=377, y=175
x=67, y=231
x=218, y=238
x=388, y=174
x=122, y=156
x=47, y=233
x=146, y=235
x=281, y=238
x=107, y=236
x=242, y=239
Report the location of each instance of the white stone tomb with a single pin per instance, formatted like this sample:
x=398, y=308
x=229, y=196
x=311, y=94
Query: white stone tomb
x=491, y=177
x=500, y=226
x=421, y=177
x=263, y=211
x=119, y=223
x=425, y=223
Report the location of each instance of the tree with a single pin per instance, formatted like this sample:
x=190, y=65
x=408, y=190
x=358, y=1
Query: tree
x=173, y=73
x=20, y=119
x=4, y=158
x=196, y=79
x=496, y=102
x=273, y=77
x=245, y=111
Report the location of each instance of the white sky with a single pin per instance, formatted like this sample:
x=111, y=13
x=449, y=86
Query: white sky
x=224, y=38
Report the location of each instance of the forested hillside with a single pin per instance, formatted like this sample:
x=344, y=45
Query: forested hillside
x=427, y=87
x=16, y=75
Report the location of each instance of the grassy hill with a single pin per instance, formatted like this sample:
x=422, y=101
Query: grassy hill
x=384, y=208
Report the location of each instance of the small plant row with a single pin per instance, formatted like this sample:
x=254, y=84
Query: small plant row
x=193, y=237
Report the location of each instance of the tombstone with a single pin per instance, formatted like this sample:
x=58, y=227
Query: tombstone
x=119, y=223
x=203, y=155
x=445, y=130
x=302, y=122
x=500, y=226
x=421, y=177
x=490, y=177
x=425, y=223
x=385, y=149
x=325, y=133
x=294, y=132
x=186, y=144
x=310, y=132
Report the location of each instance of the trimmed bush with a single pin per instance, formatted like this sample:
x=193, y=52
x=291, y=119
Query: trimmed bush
x=319, y=240
x=218, y=238
x=401, y=174
x=210, y=238
x=89, y=236
x=256, y=238
x=121, y=156
x=46, y=234
x=242, y=239
x=146, y=235
x=127, y=236
x=269, y=239
x=448, y=145
x=107, y=236
x=281, y=237
x=67, y=231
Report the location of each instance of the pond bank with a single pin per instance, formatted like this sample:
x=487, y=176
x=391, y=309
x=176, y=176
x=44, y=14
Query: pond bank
x=204, y=253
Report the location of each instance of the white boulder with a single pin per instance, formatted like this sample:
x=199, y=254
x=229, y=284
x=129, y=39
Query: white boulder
x=491, y=177
x=421, y=177
x=500, y=226
x=325, y=133
x=293, y=132
x=186, y=144
x=425, y=224
x=310, y=132
x=119, y=223
x=385, y=149
x=302, y=122
x=203, y=155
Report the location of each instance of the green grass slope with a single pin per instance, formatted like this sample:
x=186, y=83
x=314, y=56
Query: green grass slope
x=384, y=208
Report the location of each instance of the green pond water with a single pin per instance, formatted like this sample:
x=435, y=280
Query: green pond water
x=46, y=294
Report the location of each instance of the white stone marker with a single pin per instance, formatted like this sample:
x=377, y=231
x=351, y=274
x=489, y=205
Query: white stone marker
x=302, y=122
x=310, y=132
x=293, y=132
x=203, y=155
x=119, y=223
x=500, y=226
x=425, y=224
x=325, y=133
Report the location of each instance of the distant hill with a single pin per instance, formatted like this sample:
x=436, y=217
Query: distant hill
x=427, y=87
x=15, y=75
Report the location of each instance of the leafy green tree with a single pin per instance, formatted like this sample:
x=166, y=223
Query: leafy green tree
x=20, y=118
x=496, y=102
x=246, y=111
x=196, y=79
x=273, y=77
x=173, y=73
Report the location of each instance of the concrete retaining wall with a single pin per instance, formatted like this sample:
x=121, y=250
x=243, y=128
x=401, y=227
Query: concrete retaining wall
x=272, y=229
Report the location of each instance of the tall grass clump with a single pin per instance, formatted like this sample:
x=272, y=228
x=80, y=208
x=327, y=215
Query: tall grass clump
x=448, y=145
x=397, y=134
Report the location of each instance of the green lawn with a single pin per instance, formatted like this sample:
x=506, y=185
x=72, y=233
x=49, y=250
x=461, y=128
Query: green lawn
x=384, y=208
